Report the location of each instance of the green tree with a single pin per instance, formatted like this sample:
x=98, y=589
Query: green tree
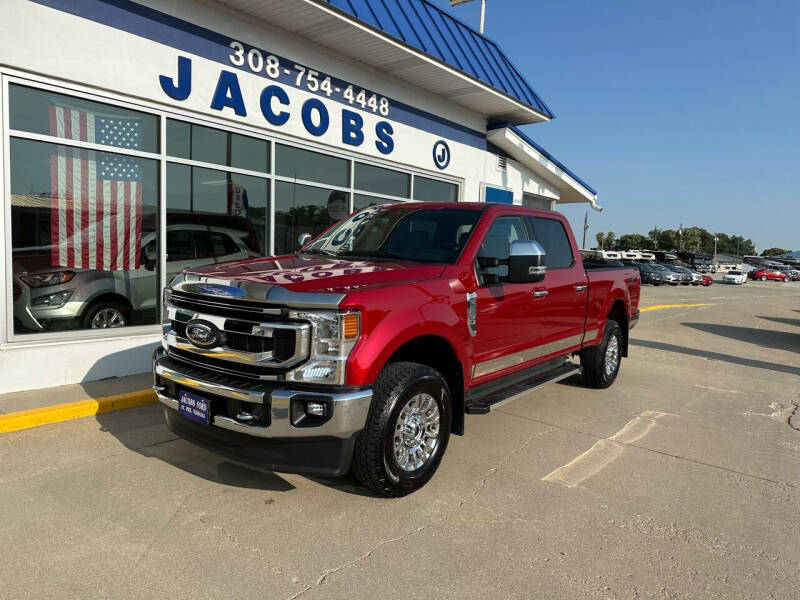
x=774, y=251
x=601, y=238
x=610, y=238
x=634, y=241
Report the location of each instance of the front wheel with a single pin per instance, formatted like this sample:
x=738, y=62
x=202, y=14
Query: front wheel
x=601, y=363
x=763, y=278
x=407, y=430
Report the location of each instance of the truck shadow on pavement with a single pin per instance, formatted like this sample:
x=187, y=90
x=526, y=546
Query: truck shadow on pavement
x=737, y=360
x=767, y=338
x=783, y=320
x=143, y=431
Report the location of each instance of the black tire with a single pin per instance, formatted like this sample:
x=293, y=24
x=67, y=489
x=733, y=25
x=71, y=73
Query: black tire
x=593, y=359
x=787, y=279
x=374, y=463
x=105, y=305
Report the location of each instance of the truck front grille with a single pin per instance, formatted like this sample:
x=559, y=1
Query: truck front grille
x=255, y=341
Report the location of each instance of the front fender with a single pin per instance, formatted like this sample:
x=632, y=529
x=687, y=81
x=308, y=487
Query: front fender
x=412, y=313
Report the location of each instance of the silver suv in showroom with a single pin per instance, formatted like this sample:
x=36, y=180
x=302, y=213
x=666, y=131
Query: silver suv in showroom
x=58, y=298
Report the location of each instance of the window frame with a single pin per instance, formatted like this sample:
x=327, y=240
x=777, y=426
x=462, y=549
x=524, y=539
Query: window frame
x=529, y=223
x=9, y=76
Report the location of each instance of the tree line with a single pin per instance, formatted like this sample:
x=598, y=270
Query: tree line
x=689, y=239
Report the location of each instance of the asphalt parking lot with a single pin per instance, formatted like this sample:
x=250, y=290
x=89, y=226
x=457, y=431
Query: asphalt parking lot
x=680, y=481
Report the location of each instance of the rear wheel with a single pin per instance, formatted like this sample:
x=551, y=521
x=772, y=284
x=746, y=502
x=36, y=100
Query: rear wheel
x=601, y=363
x=787, y=279
x=407, y=430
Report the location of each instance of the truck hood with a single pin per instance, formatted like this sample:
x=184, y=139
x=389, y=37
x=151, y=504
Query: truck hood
x=306, y=273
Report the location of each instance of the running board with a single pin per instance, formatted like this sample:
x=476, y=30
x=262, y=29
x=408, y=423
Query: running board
x=484, y=403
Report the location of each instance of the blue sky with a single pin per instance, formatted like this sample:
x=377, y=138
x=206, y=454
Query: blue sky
x=676, y=112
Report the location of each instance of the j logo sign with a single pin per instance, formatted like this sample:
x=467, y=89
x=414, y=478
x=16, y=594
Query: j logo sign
x=441, y=154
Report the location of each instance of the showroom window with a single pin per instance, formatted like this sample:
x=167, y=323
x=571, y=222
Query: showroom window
x=86, y=207
x=81, y=221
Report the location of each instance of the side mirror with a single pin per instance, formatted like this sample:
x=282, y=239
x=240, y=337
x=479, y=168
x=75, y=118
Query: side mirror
x=303, y=239
x=526, y=262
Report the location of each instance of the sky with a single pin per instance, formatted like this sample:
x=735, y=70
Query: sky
x=678, y=112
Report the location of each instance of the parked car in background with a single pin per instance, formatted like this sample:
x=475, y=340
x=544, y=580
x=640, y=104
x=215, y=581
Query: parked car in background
x=646, y=271
x=707, y=280
x=667, y=275
x=697, y=278
x=791, y=272
x=684, y=276
x=764, y=274
x=734, y=277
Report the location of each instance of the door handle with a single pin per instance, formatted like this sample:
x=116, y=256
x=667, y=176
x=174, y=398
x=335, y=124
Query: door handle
x=580, y=288
x=540, y=294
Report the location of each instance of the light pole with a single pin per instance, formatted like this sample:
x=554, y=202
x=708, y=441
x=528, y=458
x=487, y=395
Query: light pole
x=680, y=236
x=483, y=9
x=715, y=249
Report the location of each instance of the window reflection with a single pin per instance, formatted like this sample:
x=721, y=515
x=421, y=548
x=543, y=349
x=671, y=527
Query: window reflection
x=311, y=166
x=363, y=201
x=382, y=181
x=206, y=144
x=433, y=190
x=304, y=209
x=72, y=118
x=214, y=216
x=81, y=224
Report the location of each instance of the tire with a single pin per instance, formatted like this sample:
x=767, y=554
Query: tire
x=763, y=278
x=105, y=315
x=594, y=359
x=394, y=468
x=787, y=279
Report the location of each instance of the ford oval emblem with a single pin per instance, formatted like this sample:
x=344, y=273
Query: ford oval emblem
x=203, y=334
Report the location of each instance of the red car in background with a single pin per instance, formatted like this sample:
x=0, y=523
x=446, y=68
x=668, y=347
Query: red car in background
x=707, y=280
x=764, y=274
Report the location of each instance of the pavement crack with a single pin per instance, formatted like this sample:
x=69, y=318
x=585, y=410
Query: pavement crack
x=793, y=420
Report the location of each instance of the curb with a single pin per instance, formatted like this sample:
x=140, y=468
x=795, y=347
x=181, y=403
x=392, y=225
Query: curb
x=26, y=419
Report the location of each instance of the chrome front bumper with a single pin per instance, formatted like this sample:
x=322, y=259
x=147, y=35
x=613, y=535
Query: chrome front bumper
x=348, y=408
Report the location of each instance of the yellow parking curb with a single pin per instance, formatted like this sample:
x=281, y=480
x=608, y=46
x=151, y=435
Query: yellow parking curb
x=660, y=306
x=25, y=419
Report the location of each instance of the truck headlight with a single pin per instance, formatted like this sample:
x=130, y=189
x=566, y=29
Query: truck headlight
x=333, y=336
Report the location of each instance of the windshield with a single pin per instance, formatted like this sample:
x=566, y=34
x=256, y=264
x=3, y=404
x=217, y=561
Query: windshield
x=734, y=272
x=410, y=233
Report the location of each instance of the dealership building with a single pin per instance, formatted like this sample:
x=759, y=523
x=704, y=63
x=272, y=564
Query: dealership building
x=141, y=138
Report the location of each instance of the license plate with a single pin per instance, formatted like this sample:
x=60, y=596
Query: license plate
x=194, y=407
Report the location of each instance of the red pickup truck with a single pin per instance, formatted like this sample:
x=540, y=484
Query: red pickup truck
x=364, y=350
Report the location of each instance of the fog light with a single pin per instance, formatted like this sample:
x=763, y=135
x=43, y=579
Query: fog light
x=316, y=409
x=56, y=300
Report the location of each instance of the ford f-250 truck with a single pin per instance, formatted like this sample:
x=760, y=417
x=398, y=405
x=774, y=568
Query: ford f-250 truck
x=365, y=349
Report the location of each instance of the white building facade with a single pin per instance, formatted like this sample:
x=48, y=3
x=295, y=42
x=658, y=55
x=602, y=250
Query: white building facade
x=140, y=138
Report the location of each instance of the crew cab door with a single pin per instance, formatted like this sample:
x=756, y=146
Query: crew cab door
x=566, y=283
x=509, y=316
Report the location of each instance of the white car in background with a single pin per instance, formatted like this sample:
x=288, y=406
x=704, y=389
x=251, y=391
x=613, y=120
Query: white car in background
x=735, y=277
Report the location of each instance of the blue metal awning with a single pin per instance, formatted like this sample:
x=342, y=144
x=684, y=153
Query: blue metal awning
x=429, y=29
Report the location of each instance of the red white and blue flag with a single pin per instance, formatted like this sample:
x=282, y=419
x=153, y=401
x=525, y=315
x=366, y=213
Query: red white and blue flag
x=96, y=197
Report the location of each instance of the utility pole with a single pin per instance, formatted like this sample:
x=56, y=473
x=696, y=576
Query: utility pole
x=483, y=10
x=585, y=227
x=680, y=236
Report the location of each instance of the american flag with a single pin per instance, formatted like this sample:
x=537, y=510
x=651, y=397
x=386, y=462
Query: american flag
x=96, y=202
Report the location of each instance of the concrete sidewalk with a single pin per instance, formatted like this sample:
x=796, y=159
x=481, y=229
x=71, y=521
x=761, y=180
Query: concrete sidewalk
x=22, y=410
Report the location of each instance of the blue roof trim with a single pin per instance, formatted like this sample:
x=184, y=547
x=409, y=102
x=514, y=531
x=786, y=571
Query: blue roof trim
x=543, y=152
x=429, y=29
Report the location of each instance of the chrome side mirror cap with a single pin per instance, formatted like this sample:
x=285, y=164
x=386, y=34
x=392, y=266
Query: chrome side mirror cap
x=303, y=239
x=527, y=262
